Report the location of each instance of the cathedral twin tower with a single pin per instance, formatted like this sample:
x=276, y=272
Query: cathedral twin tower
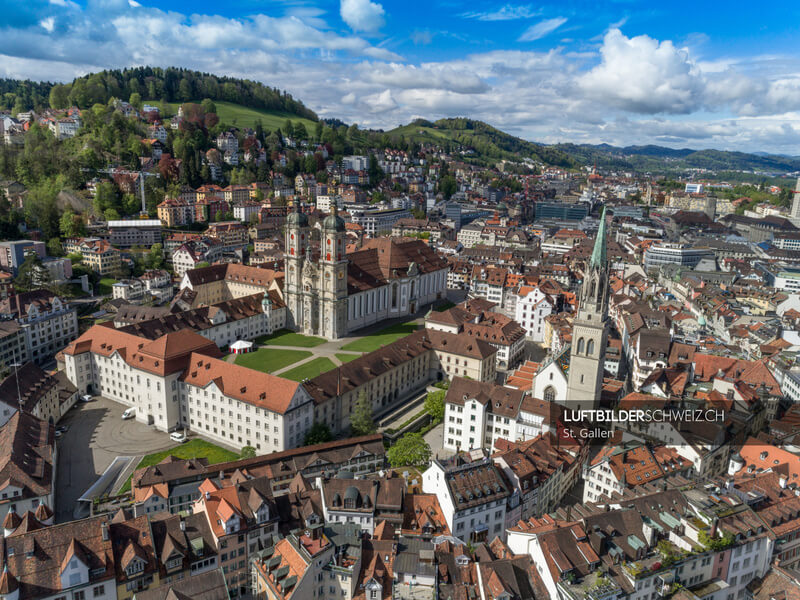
x=316, y=290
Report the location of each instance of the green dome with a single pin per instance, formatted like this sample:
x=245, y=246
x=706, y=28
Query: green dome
x=297, y=218
x=333, y=222
x=502, y=207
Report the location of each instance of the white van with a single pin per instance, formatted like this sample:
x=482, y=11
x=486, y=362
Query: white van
x=129, y=413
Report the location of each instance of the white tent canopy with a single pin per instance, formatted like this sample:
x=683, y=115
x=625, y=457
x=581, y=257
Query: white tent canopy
x=241, y=346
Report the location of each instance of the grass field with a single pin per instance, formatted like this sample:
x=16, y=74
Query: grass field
x=381, y=338
x=195, y=448
x=104, y=286
x=270, y=361
x=309, y=370
x=284, y=337
x=240, y=116
x=346, y=358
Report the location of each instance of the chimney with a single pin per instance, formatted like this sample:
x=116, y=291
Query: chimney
x=104, y=530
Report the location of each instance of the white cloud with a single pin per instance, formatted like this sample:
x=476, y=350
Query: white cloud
x=627, y=91
x=362, y=15
x=541, y=29
x=507, y=12
x=643, y=75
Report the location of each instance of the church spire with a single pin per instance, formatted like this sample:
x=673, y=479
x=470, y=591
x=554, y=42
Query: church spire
x=598, y=258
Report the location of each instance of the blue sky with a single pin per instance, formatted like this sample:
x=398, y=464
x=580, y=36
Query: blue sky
x=696, y=74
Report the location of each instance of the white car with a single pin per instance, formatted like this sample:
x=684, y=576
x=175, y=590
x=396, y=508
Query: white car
x=129, y=413
x=86, y=398
x=178, y=436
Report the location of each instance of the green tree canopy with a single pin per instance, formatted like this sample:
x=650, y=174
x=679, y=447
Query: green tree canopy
x=409, y=450
x=318, y=434
x=71, y=225
x=32, y=274
x=434, y=405
x=361, y=418
x=248, y=452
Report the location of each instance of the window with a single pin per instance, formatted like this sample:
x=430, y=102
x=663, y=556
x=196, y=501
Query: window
x=590, y=348
x=580, y=346
x=549, y=394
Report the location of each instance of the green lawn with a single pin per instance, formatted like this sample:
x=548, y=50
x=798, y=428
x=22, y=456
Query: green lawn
x=309, y=370
x=238, y=116
x=270, y=361
x=195, y=448
x=284, y=337
x=104, y=286
x=346, y=358
x=381, y=338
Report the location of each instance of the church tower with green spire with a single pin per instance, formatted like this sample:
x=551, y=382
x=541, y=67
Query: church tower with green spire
x=590, y=329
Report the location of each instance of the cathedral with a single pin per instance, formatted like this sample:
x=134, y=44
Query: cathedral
x=334, y=293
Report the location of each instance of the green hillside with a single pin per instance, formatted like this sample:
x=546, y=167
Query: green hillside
x=236, y=115
x=487, y=141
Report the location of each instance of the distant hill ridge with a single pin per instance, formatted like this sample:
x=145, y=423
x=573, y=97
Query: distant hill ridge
x=174, y=85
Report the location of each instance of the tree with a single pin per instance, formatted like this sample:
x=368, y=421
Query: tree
x=208, y=106
x=248, y=452
x=318, y=434
x=136, y=100
x=361, y=419
x=32, y=274
x=447, y=186
x=71, y=225
x=54, y=247
x=155, y=257
x=59, y=96
x=434, y=405
x=409, y=450
x=288, y=129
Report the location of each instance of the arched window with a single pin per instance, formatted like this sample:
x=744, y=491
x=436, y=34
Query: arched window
x=590, y=348
x=592, y=288
x=549, y=394
x=580, y=346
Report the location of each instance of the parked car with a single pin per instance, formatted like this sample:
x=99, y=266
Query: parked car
x=59, y=434
x=129, y=413
x=178, y=436
x=86, y=398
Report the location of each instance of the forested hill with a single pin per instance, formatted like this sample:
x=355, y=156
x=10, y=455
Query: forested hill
x=659, y=159
x=485, y=140
x=167, y=85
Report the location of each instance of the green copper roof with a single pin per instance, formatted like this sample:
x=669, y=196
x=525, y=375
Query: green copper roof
x=599, y=253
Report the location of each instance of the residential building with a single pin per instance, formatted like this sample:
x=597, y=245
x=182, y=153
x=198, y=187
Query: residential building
x=532, y=308
x=97, y=254
x=476, y=319
x=193, y=252
x=48, y=322
x=29, y=389
x=624, y=465
x=27, y=467
x=472, y=493
x=78, y=561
